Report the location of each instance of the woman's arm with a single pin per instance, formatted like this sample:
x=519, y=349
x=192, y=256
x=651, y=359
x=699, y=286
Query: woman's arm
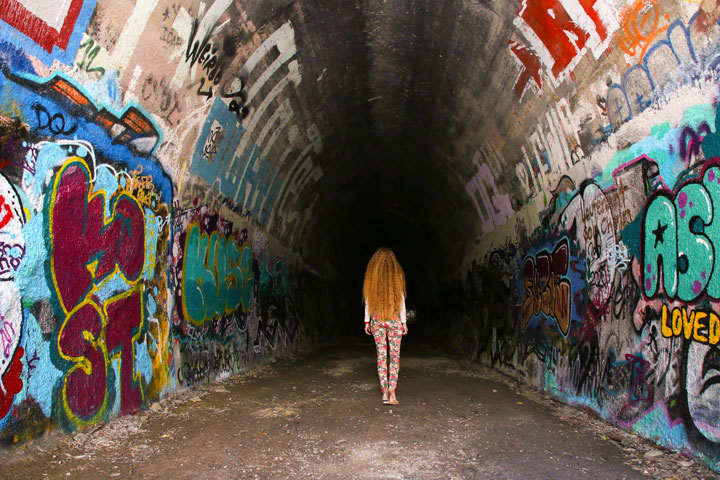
x=367, y=320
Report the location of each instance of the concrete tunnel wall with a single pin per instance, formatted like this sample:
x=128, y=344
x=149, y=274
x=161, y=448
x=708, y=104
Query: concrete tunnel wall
x=191, y=188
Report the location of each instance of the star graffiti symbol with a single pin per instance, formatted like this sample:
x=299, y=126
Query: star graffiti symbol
x=659, y=233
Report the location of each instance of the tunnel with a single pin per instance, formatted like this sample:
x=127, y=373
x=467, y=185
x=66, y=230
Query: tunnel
x=544, y=171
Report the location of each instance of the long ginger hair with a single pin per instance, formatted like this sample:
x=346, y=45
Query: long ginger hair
x=384, y=286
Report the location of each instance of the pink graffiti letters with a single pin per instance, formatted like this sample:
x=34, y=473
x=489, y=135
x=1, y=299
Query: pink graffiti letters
x=7, y=332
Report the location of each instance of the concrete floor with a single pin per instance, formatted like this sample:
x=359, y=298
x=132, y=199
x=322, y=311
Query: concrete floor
x=319, y=415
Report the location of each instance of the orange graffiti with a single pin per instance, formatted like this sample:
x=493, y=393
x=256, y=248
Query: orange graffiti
x=700, y=326
x=639, y=27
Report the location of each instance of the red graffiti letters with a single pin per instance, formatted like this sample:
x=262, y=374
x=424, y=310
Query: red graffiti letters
x=88, y=249
x=558, y=32
x=11, y=383
x=7, y=215
x=126, y=314
x=530, y=68
x=85, y=382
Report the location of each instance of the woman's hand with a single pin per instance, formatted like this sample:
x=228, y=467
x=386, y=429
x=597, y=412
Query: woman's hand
x=404, y=328
x=367, y=328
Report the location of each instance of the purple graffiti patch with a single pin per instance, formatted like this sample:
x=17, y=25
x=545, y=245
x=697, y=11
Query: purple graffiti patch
x=682, y=200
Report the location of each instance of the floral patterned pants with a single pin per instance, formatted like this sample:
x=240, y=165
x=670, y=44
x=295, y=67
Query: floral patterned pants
x=387, y=333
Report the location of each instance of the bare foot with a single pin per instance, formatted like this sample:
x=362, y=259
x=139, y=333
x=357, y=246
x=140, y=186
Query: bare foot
x=385, y=396
x=391, y=397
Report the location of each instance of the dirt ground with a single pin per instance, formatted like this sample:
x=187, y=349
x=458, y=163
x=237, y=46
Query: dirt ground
x=319, y=415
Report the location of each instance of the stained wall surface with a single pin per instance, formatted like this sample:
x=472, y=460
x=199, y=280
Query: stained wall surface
x=189, y=188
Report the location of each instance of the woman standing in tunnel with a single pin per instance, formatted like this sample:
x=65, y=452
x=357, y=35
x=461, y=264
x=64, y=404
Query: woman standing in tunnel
x=385, y=317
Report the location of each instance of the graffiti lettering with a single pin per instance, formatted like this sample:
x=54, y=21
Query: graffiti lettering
x=530, y=65
x=141, y=187
x=560, y=31
x=6, y=213
x=91, y=51
x=32, y=363
x=204, y=53
x=171, y=38
x=86, y=251
x=211, y=143
x=496, y=207
x=546, y=288
x=165, y=99
x=11, y=382
x=590, y=212
x=54, y=123
x=7, y=332
x=218, y=276
x=554, y=146
x=192, y=373
x=658, y=67
x=703, y=327
x=679, y=239
x=639, y=27
x=132, y=128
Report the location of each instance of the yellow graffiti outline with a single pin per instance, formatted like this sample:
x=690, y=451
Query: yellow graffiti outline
x=136, y=374
x=106, y=221
x=82, y=362
x=151, y=259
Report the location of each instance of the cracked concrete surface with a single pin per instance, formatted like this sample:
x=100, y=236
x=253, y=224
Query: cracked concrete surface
x=319, y=415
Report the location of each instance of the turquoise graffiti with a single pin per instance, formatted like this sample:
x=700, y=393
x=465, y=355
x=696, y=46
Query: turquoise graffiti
x=217, y=275
x=680, y=235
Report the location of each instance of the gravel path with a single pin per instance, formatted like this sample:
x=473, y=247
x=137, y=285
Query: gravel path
x=319, y=415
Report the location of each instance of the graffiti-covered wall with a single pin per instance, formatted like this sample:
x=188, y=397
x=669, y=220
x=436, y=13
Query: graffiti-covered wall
x=609, y=262
x=183, y=182
x=132, y=264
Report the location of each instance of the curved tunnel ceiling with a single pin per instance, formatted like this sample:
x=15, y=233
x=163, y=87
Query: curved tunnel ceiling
x=342, y=126
x=400, y=95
